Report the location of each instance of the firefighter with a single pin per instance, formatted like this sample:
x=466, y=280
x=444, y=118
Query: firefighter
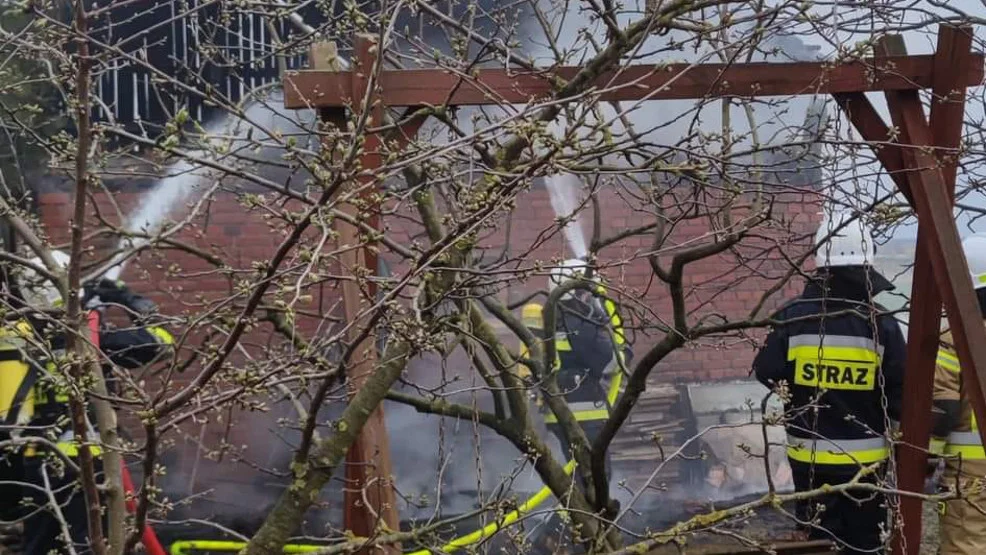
x=840, y=358
x=956, y=433
x=591, y=349
x=38, y=404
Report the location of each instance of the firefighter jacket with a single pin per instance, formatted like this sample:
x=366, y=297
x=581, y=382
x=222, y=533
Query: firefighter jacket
x=956, y=435
x=843, y=362
x=32, y=395
x=959, y=436
x=590, y=346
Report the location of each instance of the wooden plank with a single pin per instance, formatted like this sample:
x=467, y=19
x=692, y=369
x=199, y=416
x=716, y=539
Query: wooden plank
x=953, y=59
x=413, y=87
x=947, y=113
x=922, y=349
x=370, y=498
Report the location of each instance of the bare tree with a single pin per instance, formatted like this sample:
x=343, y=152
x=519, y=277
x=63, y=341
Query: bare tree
x=698, y=217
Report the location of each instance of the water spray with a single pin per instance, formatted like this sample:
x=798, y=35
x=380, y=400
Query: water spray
x=159, y=203
x=563, y=190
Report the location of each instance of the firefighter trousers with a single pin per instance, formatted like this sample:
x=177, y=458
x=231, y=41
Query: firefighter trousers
x=963, y=526
x=44, y=528
x=855, y=521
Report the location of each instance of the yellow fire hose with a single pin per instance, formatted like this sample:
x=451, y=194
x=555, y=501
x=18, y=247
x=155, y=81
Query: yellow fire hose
x=183, y=547
x=180, y=548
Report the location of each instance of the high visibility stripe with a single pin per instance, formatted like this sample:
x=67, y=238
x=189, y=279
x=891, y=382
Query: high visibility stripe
x=619, y=340
x=826, y=341
x=834, y=361
x=580, y=416
x=562, y=344
x=936, y=446
x=583, y=411
x=965, y=438
x=967, y=452
x=967, y=444
x=67, y=448
x=855, y=354
x=162, y=335
x=840, y=452
x=948, y=361
x=72, y=450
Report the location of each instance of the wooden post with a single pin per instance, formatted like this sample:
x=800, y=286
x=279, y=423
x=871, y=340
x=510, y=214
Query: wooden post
x=369, y=495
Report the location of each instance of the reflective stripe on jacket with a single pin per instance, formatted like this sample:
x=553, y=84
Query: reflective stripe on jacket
x=67, y=445
x=964, y=440
x=834, y=361
x=845, y=451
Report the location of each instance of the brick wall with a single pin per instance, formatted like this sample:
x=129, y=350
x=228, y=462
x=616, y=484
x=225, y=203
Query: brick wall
x=208, y=457
x=728, y=284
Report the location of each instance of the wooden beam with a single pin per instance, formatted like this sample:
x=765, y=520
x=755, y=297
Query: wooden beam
x=413, y=87
x=947, y=112
x=369, y=495
x=941, y=243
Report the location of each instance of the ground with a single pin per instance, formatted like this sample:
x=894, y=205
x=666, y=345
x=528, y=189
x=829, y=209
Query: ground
x=929, y=532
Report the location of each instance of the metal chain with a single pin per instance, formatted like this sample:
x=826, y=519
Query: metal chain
x=893, y=502
x=821, y=340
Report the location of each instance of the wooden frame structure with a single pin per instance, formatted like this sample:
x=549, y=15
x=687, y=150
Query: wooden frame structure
x=920, y=156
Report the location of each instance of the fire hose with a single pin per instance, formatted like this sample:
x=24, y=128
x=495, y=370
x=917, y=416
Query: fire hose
x=149, y=538
x=183, y=547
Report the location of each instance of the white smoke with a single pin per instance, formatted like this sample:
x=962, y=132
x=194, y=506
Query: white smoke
x=264, y=123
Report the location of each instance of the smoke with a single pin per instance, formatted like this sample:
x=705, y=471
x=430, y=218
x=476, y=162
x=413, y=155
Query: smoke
x=229, y=140
x=456, y=463
x=694, y=125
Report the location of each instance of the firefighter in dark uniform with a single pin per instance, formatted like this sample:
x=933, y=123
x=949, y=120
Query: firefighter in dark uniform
x=842, y=359
x=591, y=348
x=35, y=405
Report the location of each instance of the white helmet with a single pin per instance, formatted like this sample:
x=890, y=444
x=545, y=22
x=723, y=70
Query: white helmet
x=851, y=245
x=568, y=269
x=974, y=247
x=39, y=291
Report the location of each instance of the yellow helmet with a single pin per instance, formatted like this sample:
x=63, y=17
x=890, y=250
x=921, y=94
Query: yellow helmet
x=530, y=315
